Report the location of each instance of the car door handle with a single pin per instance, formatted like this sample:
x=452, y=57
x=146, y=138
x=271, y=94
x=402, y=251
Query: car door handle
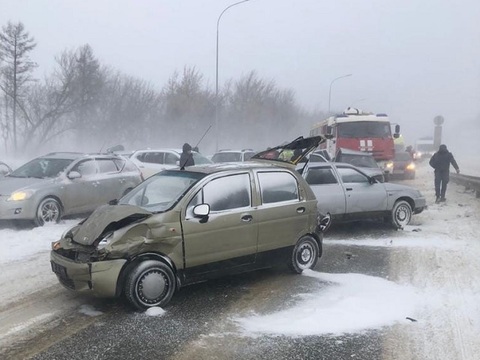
x=301, y=210
x=349, y=189
x=247, y=218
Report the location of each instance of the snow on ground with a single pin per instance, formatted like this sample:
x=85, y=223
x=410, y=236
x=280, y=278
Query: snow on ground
x=437, y=282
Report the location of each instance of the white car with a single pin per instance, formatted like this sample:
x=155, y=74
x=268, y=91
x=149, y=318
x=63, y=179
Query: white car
x=232, y=155
x=152, y=161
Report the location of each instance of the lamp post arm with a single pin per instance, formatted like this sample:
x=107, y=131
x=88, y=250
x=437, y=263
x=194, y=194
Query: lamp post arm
x=216, y=68
x=330, y=90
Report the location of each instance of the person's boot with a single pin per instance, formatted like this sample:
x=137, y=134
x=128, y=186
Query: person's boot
x=443, y=199
x=437, y=200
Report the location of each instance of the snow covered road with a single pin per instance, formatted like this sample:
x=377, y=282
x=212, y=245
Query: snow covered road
x=432, y=275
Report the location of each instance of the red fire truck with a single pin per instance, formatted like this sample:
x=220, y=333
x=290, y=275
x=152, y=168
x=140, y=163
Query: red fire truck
x=358, y=130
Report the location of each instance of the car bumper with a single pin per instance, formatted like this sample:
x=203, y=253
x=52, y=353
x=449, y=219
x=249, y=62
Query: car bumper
x=16, y=210
x=98, y=278
x=420, y=205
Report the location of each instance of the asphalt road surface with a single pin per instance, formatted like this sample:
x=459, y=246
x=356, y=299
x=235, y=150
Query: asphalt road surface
x=197, y=323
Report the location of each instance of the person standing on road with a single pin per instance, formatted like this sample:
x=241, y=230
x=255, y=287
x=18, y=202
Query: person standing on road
x=441, y=161
x=186, y=159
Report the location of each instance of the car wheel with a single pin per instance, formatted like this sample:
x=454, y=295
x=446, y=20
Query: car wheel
x=150, y=283
x=305, y=255
x=49, y=211
x=401, y=214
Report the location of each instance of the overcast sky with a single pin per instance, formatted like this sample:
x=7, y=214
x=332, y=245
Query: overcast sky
x=412, y=59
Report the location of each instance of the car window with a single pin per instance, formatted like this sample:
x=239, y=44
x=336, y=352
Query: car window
x=277, y=186
x=161, y=191
x=106, y=166
x=248, y=155
x=320, y=176
x=403, y=157
x=4, y=169
x=352, y=176
x=200, y=159
x=359, y=160
x=120, y=164
x=171, y=159
x=86, y=168
x=42, y=168
x=227, y=157
x=153, y=157
x=228, y=192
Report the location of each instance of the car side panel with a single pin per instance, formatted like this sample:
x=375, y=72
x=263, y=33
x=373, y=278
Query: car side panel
x=331, y=198
x=224, y=237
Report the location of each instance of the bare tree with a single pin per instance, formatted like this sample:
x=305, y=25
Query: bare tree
x=15, y=46
x=188, y=106
x=48, y=106
x=88, y=85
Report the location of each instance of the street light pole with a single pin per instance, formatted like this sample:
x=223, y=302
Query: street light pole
x=330, y=91
x=216, y=70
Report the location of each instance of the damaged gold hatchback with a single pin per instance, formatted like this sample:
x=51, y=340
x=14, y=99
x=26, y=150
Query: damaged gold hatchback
x=184, y=226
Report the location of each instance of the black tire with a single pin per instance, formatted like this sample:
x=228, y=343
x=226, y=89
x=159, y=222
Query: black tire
x=49, y=211
x=401, y=214
x=150, y=283
x=304, y=255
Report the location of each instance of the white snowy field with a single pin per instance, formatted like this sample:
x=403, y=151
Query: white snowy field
x=437, y=284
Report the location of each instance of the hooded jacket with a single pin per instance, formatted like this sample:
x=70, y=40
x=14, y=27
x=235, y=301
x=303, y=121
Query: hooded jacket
x=186, y=158
x=442, y=159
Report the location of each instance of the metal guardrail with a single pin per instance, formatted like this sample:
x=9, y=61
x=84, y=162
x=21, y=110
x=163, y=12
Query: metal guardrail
x=470, y=182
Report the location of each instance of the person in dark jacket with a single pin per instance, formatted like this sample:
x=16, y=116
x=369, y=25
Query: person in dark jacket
x=186, y=158
x=441, y=161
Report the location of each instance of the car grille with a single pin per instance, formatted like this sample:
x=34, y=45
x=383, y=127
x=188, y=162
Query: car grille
x=61, y=272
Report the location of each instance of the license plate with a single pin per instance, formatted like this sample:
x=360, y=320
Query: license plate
x=398, y=171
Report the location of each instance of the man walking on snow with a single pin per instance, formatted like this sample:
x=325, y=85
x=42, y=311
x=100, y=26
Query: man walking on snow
x=441, y=161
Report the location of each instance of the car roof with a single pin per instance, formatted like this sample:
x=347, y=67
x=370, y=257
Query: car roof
x=77, y=155
x=64, y=155
x=220, y=167
x=234, y=151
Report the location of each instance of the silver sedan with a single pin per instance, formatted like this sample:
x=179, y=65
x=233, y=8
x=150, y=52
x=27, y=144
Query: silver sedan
x=345, y=193
x=58, y=184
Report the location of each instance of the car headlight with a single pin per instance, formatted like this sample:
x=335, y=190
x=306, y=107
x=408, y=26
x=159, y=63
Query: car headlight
x=105, y=241
x=20, y=195
x=411, y=166
x=389, y=165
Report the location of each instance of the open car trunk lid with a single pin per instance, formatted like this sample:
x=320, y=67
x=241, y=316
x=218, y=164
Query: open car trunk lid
x=291, y=153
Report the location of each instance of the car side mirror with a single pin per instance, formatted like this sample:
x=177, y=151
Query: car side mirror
x=74, y=175
x=201, y=210
x=113, y=202
x=372, y=180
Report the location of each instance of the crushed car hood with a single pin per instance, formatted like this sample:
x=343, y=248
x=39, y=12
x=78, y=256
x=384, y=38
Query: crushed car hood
x=108, y=218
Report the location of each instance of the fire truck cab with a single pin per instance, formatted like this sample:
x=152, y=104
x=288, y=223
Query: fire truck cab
x=358, y=130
